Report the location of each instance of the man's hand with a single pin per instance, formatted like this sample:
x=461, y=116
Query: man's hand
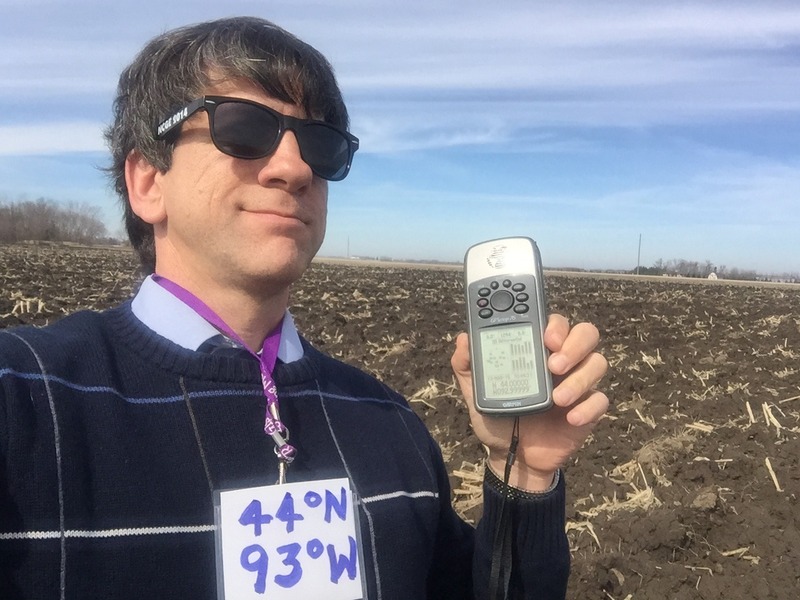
x=546, y=440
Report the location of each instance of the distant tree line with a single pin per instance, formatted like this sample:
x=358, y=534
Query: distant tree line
x=48, y=220
x=688, y=268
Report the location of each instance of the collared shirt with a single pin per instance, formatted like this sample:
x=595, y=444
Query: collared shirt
x=171, y=318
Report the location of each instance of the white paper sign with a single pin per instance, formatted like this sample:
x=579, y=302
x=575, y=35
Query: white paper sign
x=284, y=542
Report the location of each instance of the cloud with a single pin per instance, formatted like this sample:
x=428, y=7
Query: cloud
x=51, y=138
x=516, y=65
x=548, y=44
x=482, y=118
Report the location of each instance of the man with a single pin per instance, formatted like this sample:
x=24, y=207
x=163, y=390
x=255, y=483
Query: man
x=119, y=430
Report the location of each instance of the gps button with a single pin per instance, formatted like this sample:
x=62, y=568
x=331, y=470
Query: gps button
x=502, y=300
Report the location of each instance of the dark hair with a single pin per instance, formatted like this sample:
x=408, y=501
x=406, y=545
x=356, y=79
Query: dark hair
x=176, y=67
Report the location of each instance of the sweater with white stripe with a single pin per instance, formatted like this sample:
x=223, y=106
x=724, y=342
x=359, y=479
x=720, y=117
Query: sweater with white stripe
x=112, y=440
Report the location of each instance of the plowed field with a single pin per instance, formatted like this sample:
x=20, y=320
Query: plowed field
x=688, y=489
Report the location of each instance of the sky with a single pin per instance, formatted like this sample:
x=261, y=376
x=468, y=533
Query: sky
x=613, y=133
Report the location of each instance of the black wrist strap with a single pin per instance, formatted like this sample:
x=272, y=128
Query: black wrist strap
x=500, y=574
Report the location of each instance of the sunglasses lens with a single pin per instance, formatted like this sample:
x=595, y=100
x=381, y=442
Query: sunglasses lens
x=325, y=150
x=244, y=130
x=248, y=131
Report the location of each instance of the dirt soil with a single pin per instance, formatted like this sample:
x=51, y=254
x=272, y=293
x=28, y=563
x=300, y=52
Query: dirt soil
x=688, y=489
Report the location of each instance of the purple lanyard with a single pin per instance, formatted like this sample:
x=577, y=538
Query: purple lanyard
x=273, y=426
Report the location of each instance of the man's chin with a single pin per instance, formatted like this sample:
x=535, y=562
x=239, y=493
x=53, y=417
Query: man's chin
x=284, y=273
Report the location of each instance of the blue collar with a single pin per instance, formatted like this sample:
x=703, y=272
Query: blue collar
x=171, y=318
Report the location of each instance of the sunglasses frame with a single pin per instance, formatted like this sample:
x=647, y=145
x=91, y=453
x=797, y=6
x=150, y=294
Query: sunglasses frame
x=285, y=123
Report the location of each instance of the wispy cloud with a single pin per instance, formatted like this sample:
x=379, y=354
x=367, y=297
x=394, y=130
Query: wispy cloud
x=51, y=138
x=590, y=117
x=502, y=68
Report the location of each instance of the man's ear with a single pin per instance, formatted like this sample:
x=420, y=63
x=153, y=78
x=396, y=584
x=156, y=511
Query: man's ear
x=144, y=189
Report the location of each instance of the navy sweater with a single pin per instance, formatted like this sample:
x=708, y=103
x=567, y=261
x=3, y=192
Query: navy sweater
x=112, y=440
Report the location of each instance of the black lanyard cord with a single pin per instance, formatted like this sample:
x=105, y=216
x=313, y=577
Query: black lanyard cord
x=500, y=575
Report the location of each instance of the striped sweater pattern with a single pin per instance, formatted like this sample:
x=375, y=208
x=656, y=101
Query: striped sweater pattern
x=114, y=439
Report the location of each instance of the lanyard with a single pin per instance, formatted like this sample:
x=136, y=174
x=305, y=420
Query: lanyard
x=273, y=426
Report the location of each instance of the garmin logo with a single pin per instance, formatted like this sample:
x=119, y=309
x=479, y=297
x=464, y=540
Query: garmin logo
x=497, y=257
x=501, y=320
x=512, y=404
x=172, y=121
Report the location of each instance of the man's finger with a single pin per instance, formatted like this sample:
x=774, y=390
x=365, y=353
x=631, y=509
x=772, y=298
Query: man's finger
x=582, y=379
x=582, y=339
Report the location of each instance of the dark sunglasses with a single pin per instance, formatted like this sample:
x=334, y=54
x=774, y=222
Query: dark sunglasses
x=246, y=129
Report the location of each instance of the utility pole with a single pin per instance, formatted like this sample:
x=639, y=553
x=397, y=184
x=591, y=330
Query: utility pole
x=639, y=255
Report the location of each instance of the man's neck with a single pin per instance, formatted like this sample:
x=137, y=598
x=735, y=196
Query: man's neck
x=251, y=318
x=251, y=313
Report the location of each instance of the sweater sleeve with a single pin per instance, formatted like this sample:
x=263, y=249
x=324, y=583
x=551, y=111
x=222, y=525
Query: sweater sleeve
x=540, y=560
x=540, y=554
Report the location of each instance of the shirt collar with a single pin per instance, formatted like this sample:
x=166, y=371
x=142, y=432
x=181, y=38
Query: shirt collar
x=171, y=318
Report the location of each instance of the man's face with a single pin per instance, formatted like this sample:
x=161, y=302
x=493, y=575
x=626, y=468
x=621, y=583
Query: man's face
x=250, y=224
